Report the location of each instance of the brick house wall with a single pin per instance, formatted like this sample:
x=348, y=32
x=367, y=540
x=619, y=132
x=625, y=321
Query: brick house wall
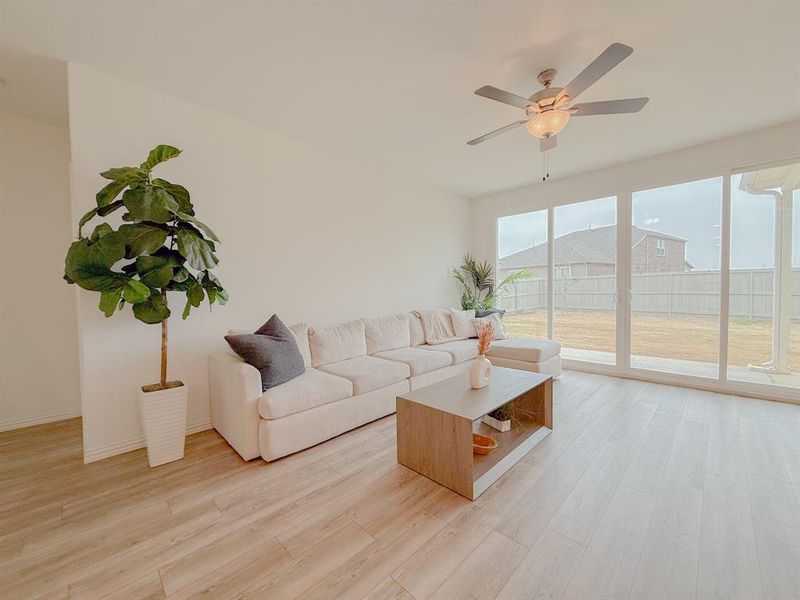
x=646, y=257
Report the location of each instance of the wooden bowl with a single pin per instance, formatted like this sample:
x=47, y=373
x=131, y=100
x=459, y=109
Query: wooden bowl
x=482, y=444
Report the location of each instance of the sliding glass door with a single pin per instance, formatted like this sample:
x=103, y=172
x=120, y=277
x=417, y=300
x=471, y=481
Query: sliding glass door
x=764, y=305
x=696, y=280
x=675, y=278
x=585, y=280
x=522, y=245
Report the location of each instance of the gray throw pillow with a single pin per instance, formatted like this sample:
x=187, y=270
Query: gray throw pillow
x=490, y=311
x=272, y=350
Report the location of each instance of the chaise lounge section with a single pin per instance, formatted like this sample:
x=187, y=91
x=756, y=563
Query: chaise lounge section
x=353, y=373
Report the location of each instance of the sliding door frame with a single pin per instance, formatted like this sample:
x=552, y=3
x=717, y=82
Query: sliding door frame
x=623, y=368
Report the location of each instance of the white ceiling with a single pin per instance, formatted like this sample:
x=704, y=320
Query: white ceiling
x=392, y=82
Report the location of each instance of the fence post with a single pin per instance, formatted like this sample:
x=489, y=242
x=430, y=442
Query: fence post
x=750, y=294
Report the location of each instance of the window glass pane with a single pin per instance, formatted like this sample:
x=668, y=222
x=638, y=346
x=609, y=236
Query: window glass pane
x=764, y=322
x=522, y=244
x=584, y=279
x=675, y=278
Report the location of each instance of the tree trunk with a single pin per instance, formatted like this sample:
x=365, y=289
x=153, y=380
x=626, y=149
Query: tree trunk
x=164, y=346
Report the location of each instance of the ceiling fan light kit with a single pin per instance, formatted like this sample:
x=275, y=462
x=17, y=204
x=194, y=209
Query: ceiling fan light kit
x=548, y=123
x=548, y=111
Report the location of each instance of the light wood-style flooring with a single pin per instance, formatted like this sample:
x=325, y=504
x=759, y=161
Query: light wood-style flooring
x=642, y=491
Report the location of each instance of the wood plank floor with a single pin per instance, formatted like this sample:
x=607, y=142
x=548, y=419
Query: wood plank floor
x=642, y=491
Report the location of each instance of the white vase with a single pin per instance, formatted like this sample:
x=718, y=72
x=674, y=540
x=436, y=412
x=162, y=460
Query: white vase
x=164, y=423
x=480, y=373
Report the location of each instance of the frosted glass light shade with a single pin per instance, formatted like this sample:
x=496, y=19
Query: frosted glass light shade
x=548, y=123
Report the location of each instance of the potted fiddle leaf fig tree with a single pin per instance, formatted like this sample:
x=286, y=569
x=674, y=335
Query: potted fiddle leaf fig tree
x=158, y=251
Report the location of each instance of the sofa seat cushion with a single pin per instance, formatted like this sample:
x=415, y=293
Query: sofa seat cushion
x=368, y=372
x=460, y=350
x=311, y=389
x=418, y=360
x=524, y=349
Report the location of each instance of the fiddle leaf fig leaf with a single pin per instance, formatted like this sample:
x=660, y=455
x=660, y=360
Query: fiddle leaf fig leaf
x=142, y=238
x=222, y=297
x=205, y=228
x=153, y=310
x=106, y=196
x=100, y=231
x=212, y=295
x=179, y=193
x=154, y=271
x=109, y=301
x=127, y=175
x=85, y=219
x=158, y=155
x=135, y=291
x=185, y=284
x=195, y=295
x=181, y=274
x=150, y=203
x=196, y=250
x=89, y=263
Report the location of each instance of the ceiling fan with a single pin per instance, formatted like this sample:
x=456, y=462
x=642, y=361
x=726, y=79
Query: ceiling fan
x=548, y=110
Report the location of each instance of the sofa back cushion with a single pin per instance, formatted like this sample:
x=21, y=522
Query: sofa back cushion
x=415, y=329
x=300, y=331
x=387, y=333
x=332, y=343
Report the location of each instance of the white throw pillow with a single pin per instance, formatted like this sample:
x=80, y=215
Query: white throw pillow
x=462, y=323
x=497, y=325
x=387, y=333
x=332, y=343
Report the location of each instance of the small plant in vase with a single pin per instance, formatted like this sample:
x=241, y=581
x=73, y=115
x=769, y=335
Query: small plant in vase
x=481, y=369
x=160, y=247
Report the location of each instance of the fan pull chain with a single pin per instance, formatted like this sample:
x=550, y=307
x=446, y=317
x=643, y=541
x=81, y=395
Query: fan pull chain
x=545, y=166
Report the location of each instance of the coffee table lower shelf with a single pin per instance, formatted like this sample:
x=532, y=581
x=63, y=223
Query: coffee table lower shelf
x=512, y=445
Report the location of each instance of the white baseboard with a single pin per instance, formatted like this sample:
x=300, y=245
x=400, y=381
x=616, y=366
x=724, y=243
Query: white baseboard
x=10, y=424
x=94, y=454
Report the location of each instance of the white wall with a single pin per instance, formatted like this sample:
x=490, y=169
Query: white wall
x=778, y=143
x=38, y=360
x=306, y=234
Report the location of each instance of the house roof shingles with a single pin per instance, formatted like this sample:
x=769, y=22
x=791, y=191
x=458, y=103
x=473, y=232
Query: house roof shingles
x=596, y=246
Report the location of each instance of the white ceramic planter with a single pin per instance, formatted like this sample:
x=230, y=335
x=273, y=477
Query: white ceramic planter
x=480, y=372
x=164, y=423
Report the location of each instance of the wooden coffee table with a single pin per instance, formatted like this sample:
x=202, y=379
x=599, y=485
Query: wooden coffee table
x=435, y=426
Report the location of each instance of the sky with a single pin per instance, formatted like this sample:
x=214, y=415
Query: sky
x=689, y=210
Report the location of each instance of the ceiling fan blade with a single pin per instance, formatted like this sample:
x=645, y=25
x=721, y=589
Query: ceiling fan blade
x=547, y=143
x=610, y=58
x=496, y=132
x=503, y=96
x=608, y=107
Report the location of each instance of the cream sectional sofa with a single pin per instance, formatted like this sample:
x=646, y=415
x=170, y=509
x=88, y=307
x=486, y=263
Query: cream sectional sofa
x=353, y=373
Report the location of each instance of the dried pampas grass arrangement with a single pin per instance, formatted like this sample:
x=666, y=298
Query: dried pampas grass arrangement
x=485, y=337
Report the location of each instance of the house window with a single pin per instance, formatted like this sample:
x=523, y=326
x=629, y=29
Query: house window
x=564, y=272
x=661, y=247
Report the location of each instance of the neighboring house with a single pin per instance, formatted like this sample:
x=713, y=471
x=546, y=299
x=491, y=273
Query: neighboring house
x=593, y=252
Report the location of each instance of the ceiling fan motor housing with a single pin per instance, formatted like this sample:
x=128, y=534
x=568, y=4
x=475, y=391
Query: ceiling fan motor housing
x=545, y=97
